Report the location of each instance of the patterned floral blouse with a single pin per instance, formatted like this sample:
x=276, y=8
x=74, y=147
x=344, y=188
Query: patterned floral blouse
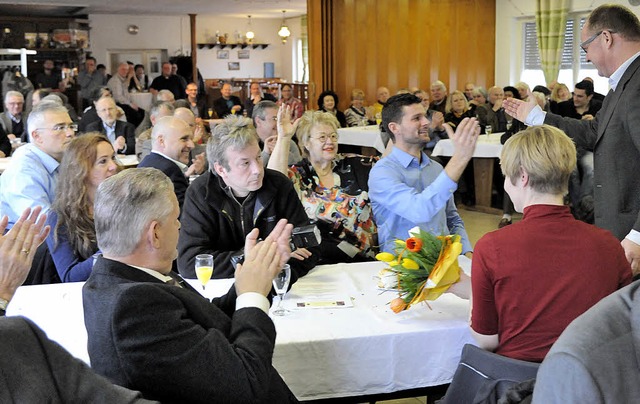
x=343, y=212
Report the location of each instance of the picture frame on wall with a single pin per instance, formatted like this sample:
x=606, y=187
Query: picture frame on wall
x=243, y=54
x=223, y=54
x=233, y=65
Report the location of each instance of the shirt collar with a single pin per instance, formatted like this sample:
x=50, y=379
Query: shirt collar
x=109, y=128
x=182, y=166
x=49, y=163
x=14, y=118
x=617, y=75
x=406, y=159
x=155, y=274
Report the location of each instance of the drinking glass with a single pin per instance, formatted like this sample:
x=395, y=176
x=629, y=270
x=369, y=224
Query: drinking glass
x=281, y=284
x=210, y=112
x=378, y=118
x=204, y=268
x=488, y=130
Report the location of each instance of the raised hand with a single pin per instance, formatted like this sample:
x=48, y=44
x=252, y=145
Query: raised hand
x=519, y=109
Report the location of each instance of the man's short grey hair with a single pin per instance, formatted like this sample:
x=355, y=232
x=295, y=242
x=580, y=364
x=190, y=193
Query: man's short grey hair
x=12, y=93
x=126, y=204
x=235, y=132
x=158, y=106
x=165, y=95
x=440, y=84
x=259, y=110
x=37, y=119
x=480, y=91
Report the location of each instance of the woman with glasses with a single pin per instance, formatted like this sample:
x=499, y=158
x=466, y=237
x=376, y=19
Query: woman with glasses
x=332, y=187
x=358, y=114
x=88, y=160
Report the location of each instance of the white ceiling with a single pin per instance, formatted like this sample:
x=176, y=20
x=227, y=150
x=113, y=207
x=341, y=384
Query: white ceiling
x=222, y=8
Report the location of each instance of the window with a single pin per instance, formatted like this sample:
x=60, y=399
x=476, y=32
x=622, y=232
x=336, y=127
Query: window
x=574, y=66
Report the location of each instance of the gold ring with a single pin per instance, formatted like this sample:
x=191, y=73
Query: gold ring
x=25, y=251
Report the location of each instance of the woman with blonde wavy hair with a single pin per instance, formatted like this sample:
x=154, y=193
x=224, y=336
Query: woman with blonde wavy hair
x=88, y=160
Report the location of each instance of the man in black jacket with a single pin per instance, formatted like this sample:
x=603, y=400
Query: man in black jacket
x=235, y=196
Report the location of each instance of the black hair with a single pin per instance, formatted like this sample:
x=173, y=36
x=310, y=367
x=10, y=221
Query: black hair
x=324, y=94
x=392, y=110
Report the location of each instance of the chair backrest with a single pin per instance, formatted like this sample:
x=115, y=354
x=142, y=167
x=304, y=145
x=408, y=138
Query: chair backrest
x=484, y=377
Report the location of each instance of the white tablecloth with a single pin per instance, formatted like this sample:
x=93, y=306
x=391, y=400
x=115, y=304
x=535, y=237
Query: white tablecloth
x=488, y=146
x=143, y=100
x=320, y=352
x=362, y=136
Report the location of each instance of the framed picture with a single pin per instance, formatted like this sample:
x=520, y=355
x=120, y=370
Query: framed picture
x=243, y=54
x=234, y=65
x=223, y=54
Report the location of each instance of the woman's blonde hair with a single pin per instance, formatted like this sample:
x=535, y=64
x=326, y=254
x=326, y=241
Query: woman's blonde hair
x=545, y=153
x=308, y=121
x=72, y=204
x=556, y=90
x=357, y=93
x=448, y=108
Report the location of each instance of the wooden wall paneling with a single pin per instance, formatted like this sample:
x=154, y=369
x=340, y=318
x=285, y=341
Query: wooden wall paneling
x=315, y=38
x=403, y=43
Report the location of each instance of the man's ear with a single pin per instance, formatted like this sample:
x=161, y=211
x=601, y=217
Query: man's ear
x=524, y=177
x=393, y=127
x=219, y=169
x=35, y=137
x=153, y=239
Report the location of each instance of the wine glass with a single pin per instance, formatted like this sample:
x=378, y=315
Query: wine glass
x=210, y=112
x=281, y=284
x=488, y=130
x=204, y=268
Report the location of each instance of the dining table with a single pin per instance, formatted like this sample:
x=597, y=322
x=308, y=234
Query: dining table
x=487, y=150
x=340, y=338
x=368, y=136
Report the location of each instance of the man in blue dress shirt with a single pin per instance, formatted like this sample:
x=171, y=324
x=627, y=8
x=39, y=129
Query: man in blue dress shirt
x=30, y=179
x=408, y=189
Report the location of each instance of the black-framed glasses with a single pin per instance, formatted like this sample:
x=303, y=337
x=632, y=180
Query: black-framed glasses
x=62, y=127
x=589, y=40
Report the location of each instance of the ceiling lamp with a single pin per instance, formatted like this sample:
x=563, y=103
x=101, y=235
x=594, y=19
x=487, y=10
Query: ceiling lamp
x=249, y=35
x=284, y=30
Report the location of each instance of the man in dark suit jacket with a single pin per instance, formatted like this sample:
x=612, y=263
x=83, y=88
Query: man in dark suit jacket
x=611, y=39
x=171, y=144
x=227, y=104
x=150, y=332
x=34, y=369
x=121, y=134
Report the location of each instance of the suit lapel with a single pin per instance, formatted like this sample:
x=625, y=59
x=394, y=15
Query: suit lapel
x=612, y=98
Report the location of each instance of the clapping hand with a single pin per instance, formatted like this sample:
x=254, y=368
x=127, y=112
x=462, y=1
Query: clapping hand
x=18, y=247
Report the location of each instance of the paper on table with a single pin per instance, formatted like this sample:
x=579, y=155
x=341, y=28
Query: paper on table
x=317, y=295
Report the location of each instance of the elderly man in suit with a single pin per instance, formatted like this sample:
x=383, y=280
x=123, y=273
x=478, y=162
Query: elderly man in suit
x=152, y=332
x=121, y=134
x=171, y=145
x=13, y=120
x=611, y=40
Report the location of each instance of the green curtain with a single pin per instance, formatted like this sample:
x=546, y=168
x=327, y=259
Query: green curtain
x=551, y=20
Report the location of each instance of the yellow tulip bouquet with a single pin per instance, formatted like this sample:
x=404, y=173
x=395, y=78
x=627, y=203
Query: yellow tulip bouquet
x=425, y=266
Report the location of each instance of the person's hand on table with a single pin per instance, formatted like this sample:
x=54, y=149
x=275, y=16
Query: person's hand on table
x=462, y=288
x=119, y=143
x=519, y=109
x=11, y=136
x=236, y=108
x=301, y=254
x=632, y=252
x=18, y=247
x=587, y=117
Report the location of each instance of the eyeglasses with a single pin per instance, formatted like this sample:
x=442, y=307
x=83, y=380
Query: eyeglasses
x=62, y=127
x=591, y=39
x=323, y=138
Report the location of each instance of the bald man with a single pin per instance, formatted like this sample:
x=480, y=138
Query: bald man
x=382, y=95
x=171, y=145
